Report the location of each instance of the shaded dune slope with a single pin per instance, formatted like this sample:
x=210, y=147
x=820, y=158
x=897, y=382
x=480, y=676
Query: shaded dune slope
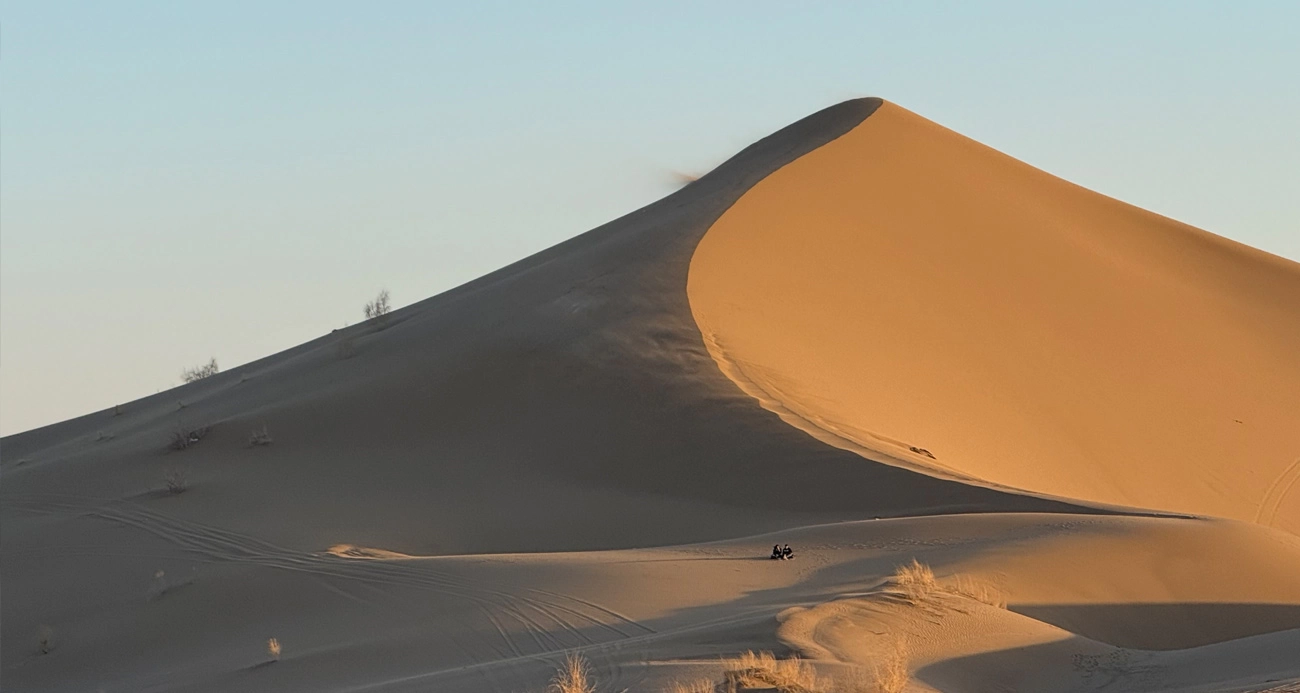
x=905, y=288
x=563, y=402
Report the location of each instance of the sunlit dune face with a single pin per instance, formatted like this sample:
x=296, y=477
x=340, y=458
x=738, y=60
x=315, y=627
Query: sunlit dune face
x=912, y=291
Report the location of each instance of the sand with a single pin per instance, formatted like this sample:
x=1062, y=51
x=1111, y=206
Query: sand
x=594, y=449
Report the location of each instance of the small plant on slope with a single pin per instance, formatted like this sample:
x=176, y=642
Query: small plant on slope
x=260, y=436
x=916, y=581
x=185, y=437
x=378, y=309
x=764, y=670
x=273, y=649
x=176, y=483
x=208, y=369
x=573, y=677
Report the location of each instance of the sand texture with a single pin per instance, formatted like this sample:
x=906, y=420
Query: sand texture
x=865, y=336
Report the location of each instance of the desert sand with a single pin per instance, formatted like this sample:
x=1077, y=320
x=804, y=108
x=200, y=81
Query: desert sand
x=865, y=336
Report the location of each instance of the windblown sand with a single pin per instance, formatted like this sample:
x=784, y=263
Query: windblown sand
x=865, y=336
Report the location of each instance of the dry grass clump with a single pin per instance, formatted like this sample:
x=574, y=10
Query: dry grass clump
x=185, y=437
x=697, y=686
x=966, y=586
x=764, y=670
x=918, y=585
x=916, y=581
x=176, y=482
x=273, y=649
x=891, y=675
x=208, y=369
x=573, y=677
x=260, y=436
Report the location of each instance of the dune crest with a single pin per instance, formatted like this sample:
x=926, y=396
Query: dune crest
x=911, y=292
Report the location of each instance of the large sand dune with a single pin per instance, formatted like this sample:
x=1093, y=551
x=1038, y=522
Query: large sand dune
x=594, y=448
x=906, y=287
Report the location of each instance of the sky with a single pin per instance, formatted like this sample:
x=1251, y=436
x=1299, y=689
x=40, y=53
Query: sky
x=183, y=181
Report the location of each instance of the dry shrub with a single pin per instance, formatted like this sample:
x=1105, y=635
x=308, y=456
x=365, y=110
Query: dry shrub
x=208, y=369
x=185, y=437
x=763, y=669
x=260, y=436
x=918, y=585
x=378, y=309
x=966, y=586
x=891, y=675
x=916, y=581
x=273, y=649
x=176, y=482
x=573, y=677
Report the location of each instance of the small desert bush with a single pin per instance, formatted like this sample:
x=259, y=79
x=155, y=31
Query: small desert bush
x=982, y=592
x=377, y=309
x=185, y=437
x=916, y=581
x=260, y=436
x=45, y=640
x=573, y=677
x=210, y=368
x=273, y=649
x=891, y=674
x=176, y=482
x=918, y=585
x=764, y=670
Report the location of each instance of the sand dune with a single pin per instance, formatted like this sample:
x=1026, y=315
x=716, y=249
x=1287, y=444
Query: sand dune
x=862, y=316
x=904, y=286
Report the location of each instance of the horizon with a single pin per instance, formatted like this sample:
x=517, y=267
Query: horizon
x=182, y=184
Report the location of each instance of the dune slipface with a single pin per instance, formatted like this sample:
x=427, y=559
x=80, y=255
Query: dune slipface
x=904, y=288
x=863, y=335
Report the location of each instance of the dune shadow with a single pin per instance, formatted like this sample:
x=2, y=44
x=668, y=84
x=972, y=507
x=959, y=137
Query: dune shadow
x=1172, y=626
x=1255, y=663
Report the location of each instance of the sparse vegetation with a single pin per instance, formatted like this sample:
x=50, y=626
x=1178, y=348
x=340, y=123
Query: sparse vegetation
x=260, y=436
x=273, y=649
x=378, y=309
x=185, y=437
x=573, y=677
x=176, y=483
x=45, y=640
x=891, y=675
x=916, y=581
x=208, y=369
x=918, y=585
x=764, y=670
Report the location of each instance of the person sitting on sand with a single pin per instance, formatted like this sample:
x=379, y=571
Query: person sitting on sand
x=786, y=552
x=776, y=551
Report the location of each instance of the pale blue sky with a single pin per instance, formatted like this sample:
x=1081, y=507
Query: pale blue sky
x=179, y=182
